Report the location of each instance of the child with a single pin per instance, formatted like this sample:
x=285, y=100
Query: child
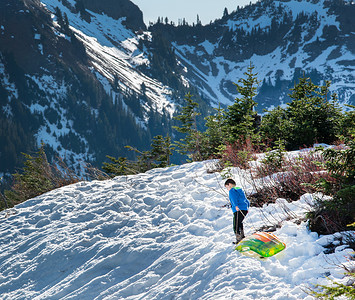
x=240, y=205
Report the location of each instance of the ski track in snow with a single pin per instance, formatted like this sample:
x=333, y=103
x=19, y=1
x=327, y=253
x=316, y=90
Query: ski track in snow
x=159, y=235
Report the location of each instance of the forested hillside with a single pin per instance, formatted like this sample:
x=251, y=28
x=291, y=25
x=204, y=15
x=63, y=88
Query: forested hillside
x=88, y=78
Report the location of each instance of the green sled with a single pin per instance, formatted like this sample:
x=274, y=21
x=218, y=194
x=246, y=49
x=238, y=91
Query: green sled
x=263, y=243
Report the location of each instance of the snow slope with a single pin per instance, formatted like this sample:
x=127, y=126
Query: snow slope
x=159, y=235
x=113, y=51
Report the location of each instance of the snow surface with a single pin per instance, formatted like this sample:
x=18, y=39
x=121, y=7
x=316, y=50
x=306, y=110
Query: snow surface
x=163, y=234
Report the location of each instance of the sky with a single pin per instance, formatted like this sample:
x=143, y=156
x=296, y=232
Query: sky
x=207, y=10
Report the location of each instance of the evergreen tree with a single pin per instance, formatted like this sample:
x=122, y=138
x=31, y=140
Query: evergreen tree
x=67, y=30
x=241, y=116
x=347, y=126
x=118, y=166
x=38, y=177
x=307, y=119
x=33, y=181
x=157, y=157
x=215, y=134
x=314, y=118
x=338, y=212
x=276, y=125
x=191, y=143
x=58, y=14
x=161, y=151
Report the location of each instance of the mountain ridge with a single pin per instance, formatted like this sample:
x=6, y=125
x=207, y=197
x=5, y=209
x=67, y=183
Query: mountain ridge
x=86, y=79
x=281, y=39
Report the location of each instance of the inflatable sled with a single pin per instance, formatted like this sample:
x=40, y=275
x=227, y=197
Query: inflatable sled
x=262, y=243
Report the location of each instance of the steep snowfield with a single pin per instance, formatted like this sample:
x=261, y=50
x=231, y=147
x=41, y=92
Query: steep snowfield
x=113, y=51
x=159, y=235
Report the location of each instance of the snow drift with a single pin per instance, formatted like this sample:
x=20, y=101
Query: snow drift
x=159, y=235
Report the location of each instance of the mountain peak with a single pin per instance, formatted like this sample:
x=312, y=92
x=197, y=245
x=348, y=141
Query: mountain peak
x=118, y=9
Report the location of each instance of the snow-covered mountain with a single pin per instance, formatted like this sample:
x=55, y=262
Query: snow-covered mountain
x=282, y=39
x=160, y=235
x=87, y=77
x=70, y=79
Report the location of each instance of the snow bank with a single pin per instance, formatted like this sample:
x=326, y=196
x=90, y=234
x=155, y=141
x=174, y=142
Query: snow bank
x=159, y=235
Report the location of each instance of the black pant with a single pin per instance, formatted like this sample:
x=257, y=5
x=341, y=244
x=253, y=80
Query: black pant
x=238, y=218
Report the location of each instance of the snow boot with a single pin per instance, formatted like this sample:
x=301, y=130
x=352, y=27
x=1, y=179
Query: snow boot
x=242, y=234
x=238, y=238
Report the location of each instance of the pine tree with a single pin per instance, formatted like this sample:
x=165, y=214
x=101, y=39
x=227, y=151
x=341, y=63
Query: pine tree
x=33, y=181
x=157, y=157
x=347, y=125
x=310, y=117
x=241, y=116
x=161, y=151
x=118, y=166
x=67, y=30
x=191, y=143
x=215, y=134
x=38, y=177
x=58, y=14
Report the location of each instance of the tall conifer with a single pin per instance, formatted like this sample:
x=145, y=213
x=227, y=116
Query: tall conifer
x=241, y=116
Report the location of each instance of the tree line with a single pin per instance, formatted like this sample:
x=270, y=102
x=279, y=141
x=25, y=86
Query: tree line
x=312, y=116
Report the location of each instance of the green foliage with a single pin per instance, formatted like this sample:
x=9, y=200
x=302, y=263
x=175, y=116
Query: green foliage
x=275, y=125
x=187, y=116
x=347, y=126
x=191, y=143
x=336, y=290
x=118, y=166
x=227, y=171
x=157, y=157
x=37, y=177
x=340, y=163
x=161, y=151
x=308, y=118
x=339, y=211
x=214, y=136
x=241, y=116
x=274, y=159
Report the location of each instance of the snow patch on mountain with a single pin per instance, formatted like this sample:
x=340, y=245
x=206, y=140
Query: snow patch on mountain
x=213, y=75
x=113, y=50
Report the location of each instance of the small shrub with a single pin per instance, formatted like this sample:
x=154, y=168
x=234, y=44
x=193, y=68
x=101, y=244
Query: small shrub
x=239, y=155
x=274, y=160
x=38, y=177
x=296, y=176
x=227, y=171
x=336, y=214
x=338, y=289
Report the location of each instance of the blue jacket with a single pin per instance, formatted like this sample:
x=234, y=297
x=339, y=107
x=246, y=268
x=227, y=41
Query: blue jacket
x=238, y=198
